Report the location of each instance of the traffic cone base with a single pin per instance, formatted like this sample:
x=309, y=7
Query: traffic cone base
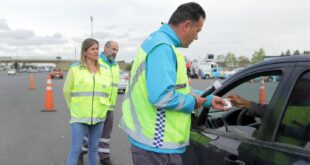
x=52, y=110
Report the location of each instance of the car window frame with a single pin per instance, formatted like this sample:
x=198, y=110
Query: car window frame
x=247, y=74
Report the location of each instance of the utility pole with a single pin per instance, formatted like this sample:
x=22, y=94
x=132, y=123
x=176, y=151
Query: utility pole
x=91, y=26
x=74, y=53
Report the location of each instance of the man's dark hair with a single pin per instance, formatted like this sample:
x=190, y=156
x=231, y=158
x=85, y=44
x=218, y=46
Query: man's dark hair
x=107, y=44
x=187, y=11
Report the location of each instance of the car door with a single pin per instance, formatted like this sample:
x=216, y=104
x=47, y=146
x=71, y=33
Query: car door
x=222, y=139
x=290, y=141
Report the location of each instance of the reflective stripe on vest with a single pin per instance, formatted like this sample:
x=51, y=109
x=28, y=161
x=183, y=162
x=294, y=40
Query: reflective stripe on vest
x=81, y=94
x=86, y=120
x=158, y=137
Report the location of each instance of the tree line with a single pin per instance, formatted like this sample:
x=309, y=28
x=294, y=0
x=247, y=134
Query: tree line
x=231, y=61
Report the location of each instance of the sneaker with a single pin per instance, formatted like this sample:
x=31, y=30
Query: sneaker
x=106, y=161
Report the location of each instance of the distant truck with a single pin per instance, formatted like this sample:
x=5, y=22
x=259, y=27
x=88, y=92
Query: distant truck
x=209, y=70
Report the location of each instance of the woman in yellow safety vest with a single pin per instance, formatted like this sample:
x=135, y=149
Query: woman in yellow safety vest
x=87, y=98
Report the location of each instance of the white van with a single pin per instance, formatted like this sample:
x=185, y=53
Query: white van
x=12, y=72
x=210, y=70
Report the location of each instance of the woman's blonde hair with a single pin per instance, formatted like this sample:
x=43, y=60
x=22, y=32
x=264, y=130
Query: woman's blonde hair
x=87, y=43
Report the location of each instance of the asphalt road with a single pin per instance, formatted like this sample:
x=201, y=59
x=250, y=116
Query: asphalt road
x=31, y=137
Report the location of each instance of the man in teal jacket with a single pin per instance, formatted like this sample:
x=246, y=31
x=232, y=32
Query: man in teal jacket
x=162, y=66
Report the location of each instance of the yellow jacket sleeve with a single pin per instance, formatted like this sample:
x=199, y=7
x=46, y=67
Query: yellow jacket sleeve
x=68, y=87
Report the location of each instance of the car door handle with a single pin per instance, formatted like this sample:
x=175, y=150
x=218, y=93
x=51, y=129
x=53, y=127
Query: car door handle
x=233, y=160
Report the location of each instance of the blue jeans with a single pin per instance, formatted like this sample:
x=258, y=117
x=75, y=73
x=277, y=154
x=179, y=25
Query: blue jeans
x=78, y=131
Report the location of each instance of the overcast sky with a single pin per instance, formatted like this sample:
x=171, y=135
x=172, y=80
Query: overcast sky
x=52, y=28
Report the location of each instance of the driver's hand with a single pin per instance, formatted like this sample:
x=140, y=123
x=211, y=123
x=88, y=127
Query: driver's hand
x=239, y=101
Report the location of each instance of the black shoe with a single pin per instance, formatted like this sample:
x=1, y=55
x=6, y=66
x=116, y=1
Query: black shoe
x=80, y=160
x=106, y=161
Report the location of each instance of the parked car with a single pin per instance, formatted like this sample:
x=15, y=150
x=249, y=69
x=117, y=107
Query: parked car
x=124, y=77
x=12, y=72
x=280, y=136
x=57, y=73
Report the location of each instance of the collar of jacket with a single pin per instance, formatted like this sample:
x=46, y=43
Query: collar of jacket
x=105, y=59
x=165, y=28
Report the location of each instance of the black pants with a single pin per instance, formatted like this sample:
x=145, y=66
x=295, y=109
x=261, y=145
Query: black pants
x=143, y=157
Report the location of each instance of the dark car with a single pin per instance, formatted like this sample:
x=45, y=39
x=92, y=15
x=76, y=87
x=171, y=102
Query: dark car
x=280, y=136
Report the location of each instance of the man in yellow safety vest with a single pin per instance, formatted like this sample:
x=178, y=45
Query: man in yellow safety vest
x=157, y=104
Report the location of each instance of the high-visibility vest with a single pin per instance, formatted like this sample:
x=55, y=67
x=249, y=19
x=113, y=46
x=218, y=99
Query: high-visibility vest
x=142, y=121
x=113, y=73
x=89, y=96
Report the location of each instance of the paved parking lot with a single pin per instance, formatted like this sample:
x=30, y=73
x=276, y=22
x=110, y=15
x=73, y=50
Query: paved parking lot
x=32, y=137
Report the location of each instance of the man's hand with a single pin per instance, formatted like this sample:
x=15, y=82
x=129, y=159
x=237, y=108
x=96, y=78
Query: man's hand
x=199, y=101
x=239, y=101
x=218, y=103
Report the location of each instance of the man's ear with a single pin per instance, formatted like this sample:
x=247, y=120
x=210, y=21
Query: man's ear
x=185, y=25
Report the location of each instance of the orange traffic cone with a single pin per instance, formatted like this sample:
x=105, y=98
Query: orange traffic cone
x=49, y=105
x=31, y=82
x=262, y=94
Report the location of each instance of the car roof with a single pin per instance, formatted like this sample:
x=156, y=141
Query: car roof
x=284, y=59
x=277, y=60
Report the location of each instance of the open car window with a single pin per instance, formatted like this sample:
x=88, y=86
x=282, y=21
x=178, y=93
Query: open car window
x=248, y=88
